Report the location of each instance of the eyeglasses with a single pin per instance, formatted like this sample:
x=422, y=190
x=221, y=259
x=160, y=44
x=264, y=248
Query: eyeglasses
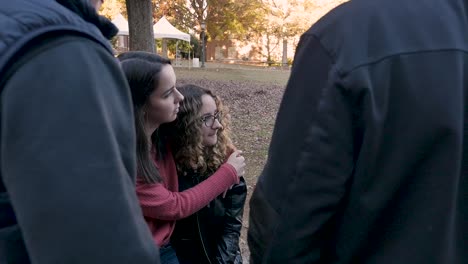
x=209, y=120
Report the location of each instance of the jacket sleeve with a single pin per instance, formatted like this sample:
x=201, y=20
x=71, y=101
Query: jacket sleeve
x=228, y=246
x=160, y=203
x=310, y=161
x=66, y=142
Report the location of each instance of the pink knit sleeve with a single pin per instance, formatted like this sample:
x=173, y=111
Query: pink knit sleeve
x=158, y=202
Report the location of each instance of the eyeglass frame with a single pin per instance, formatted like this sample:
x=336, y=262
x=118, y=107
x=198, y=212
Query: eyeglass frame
x=216, y=116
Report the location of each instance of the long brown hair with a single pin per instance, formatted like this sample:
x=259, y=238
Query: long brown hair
x=142, y=70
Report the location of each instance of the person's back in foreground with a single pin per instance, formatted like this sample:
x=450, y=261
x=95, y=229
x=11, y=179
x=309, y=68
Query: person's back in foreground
x=368, y=160
x=67, y=165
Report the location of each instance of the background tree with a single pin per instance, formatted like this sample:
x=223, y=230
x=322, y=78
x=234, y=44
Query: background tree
x=233, y=18
x=176, y=11
x=285, y=20
x=226, y=18
x=140, y=25
x=269, y=24
x=111, y=8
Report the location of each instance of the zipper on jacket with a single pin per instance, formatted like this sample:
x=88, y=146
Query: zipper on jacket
x=196, y=180
x=201, y=240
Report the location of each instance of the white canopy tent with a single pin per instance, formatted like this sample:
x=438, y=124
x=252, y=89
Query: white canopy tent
x=163, y=29
x=122, y=36
x=122, y=24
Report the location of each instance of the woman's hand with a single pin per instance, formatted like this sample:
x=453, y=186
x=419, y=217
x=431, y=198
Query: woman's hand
x=238, y=162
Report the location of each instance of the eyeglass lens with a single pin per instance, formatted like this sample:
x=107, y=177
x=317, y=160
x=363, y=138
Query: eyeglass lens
x=209, y=120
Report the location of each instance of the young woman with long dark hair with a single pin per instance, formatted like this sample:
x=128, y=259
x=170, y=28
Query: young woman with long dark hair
x=156, y=102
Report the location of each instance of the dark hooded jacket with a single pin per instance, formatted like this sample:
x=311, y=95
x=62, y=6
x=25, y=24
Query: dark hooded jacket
x=368, y=161
x=66, y=140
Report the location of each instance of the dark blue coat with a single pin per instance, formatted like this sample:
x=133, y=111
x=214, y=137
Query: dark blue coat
x=67, y=143
x=368, y=161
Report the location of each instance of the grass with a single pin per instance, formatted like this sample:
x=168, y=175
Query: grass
x=236, y=73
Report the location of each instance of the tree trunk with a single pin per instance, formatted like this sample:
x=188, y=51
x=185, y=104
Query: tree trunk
x=268, y=48
x=284, y=61
x=140, y=25
x=164, y=48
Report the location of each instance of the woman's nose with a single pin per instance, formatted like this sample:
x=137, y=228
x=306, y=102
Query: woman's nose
x=216, y=124
x=179, y=97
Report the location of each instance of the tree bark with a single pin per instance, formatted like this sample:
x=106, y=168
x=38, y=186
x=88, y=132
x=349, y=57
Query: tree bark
x=140, y=25
x=284, y=62
x=164, y=47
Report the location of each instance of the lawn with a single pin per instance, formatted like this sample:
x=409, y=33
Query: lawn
x=253, y=96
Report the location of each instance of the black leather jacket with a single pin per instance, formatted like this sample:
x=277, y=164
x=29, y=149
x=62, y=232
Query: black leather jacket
x=212, y=234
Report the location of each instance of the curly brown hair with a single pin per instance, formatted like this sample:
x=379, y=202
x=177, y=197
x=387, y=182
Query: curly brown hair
x=186, y=143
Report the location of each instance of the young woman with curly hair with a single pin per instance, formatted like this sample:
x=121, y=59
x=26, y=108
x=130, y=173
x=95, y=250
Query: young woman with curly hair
x=156, y=101
x=200, y=148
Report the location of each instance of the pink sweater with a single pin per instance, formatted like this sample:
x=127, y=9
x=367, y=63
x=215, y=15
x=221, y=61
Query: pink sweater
x=162, y=204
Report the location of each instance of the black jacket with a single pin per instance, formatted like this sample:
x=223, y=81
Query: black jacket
x=368, y=161
x=214, y=231
x=67, y=141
